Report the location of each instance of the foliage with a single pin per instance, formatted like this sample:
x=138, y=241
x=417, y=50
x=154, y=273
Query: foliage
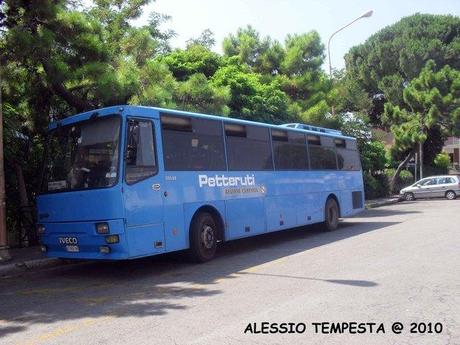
x=431, y=101
x=373, y=158
x=198, y=94
x=206, y=40
x=405, y=178
x=395, y=55
x=375, y=186
x=195, y=59
x=442, y=160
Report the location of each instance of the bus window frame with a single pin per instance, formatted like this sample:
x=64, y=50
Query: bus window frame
x=128, y=118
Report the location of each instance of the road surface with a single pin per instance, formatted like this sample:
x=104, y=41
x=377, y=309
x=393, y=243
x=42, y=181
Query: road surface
x=399, y=263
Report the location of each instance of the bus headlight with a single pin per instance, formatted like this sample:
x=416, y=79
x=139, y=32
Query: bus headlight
x=112, y=239
x=102, y=228
x=104, y=249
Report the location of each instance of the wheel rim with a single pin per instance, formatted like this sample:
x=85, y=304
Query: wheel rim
x=450, y=195
x=409, y=197
x=207, y=236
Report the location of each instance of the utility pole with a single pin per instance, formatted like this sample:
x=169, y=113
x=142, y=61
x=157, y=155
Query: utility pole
x=421, y=160
x=4, y=254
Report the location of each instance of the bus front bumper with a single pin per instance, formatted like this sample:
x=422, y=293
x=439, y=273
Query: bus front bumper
x=80, y=240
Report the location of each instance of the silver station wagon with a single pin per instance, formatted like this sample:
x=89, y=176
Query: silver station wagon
x=432, y=187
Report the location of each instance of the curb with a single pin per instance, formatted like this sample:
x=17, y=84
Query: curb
x=382, y=203
x=28, y=265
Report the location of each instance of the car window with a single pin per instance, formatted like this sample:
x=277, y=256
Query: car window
x=445, y=180
x=429, y=182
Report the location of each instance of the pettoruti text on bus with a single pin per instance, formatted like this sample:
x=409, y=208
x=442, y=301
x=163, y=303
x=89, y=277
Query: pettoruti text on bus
x=226, y=181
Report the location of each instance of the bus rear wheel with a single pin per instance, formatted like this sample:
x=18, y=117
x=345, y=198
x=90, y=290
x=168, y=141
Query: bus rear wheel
x=331, y=215
x=203, y=237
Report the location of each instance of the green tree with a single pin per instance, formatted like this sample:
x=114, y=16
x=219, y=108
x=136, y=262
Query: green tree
x=250, y=98
x=391, y=58
x=432, y=100
x=304, y=54
x=198, y=94
x=206, y=39
x=263, y=55
x=195, y=59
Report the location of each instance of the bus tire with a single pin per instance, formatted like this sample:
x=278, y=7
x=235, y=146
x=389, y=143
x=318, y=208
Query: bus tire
x=331, y=215
x=203, y=237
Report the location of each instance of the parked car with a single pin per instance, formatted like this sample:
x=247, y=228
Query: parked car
x=432, y=187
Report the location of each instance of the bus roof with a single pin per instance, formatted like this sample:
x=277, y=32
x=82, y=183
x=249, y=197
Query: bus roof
x=140, y=111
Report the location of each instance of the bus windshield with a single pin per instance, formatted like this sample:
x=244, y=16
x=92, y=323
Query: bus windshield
x=83, y=155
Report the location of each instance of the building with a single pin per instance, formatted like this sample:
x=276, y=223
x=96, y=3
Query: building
x=452, y=147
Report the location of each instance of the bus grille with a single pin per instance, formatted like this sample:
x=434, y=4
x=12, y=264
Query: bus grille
x=357, y=199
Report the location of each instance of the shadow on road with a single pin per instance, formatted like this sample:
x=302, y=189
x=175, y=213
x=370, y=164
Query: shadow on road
x=385, y=212
x=360, y=283
x=156, y=285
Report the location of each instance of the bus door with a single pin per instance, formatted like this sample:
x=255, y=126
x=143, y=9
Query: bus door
x=142, y=189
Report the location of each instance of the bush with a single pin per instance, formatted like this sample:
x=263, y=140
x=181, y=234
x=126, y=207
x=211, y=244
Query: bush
x=375, y=186
x=372, y=156
x=442, y=161
x=406, y=178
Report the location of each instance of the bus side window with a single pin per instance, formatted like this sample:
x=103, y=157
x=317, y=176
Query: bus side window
x=248, y=147
x=322, y=153
x=192, y=144
x=347, y=155
x=140, y=151
x=290, y=150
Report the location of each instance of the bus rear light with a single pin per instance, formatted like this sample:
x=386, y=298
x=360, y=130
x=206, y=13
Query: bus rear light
x=102, y=228
x=112, y=239
x=104, y=249
x=40, y=229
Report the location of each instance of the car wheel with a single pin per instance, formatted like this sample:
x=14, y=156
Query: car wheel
x=203, y=238
x=409, y=196
x=331, y=215
x=450, y=195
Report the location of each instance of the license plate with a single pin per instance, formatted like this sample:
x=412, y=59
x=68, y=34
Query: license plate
x=72, y=249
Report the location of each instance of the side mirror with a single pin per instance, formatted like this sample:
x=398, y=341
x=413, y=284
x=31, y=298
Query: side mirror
x=418, y=185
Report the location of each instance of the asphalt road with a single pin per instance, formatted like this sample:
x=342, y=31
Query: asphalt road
x=398, y=263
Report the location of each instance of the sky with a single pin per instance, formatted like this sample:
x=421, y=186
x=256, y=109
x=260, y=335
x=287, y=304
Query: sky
x=277, y=18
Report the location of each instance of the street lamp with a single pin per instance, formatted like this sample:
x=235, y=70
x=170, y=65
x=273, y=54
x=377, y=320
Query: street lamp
x=364, y=15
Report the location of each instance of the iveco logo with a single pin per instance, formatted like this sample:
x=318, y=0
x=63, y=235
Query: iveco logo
x=68, y=240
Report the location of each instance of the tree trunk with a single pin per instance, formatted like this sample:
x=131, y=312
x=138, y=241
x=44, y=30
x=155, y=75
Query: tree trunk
x=4, y=253
x=421, y=159
x=27, y=222
x=398, y=171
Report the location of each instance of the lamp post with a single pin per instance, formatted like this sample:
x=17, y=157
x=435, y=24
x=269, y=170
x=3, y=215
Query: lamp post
x=364, y=15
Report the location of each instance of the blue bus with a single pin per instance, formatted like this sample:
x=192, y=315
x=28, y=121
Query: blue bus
x=127, y=181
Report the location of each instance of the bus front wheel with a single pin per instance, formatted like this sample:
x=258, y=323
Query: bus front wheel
x=203, y=237
x=331, y=215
